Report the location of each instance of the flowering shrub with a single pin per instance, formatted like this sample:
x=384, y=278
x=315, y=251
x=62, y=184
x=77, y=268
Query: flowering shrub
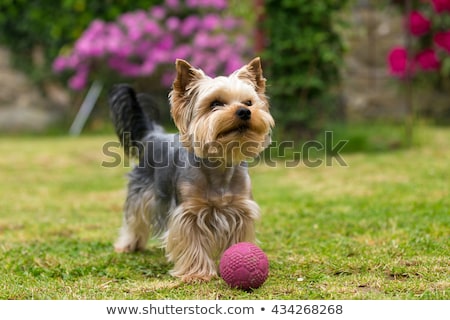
x=26, y=28
x=430, y=27
x=143, y=43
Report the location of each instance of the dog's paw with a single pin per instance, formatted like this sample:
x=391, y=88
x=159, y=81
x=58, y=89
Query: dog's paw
x=129, y=244
x=192, y=278
x=121, y=248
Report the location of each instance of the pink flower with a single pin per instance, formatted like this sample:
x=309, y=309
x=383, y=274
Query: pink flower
x=59, y=64
x=158, y=12
x=166, y=42
x=192, y=3
x=143, y=48
x=152, y=28
x=398, y=62
x=116, y=62
x=148, y=66
x=142, y=43
x=233, y=64
x=181, y=52
x=167, y=78
x=418, y=24
x=211, y=21
x=442, y=39
x=201, y=40
x=217, y=4
x=79, y=80
x=441, y=5
x=427, y=60
x=172, y=3
x=172, y=23
x=190, y=24
x=218, y=41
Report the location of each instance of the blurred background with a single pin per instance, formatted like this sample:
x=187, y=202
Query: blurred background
x=342, y=65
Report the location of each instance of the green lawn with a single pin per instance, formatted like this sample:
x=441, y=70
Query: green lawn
x=376, y=229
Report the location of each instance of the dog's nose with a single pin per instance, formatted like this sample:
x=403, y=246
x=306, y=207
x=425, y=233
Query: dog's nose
x=243, y=113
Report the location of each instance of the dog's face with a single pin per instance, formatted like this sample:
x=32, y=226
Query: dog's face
x=223, y=118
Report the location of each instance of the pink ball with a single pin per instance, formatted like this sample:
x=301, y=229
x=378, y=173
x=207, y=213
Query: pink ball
x=244, y=266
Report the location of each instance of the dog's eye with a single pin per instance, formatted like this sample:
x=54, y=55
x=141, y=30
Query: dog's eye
x=216, y=103
x=248, y=103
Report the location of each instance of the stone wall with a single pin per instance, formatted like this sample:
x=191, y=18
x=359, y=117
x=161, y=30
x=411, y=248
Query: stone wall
x=23, y=107
x=369, y=92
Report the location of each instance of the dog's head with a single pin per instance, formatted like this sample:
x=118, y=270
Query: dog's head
x=224, y=118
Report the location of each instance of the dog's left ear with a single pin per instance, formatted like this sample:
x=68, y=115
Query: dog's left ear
x=186, y=74
x=179, y=99
x=253, y=72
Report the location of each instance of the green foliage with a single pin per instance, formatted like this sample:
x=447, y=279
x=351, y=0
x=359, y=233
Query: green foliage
x=304, y=55
x=52, y=25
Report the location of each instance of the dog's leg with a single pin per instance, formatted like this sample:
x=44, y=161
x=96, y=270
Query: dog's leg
x=190, y=247
x=136, y=221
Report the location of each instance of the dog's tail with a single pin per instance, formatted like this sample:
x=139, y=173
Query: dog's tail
x=134, y=117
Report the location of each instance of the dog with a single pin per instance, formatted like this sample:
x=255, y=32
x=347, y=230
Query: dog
x=192, y=189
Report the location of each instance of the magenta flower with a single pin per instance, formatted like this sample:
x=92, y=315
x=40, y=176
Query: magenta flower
x=441, y=5
x=442, y=40
x=158, y=12
x=201, y=40
x=233, y=63
x=172, y=23
x=113, y=38
x=418, y=24
x=146, y=43
x=59, y=64
x=189, y=25
x=167, y=78
x=218, y=41
x=148, y=66
x=398, y=62
x=211, y=22
x=181, y=52
x=152, y=28
x=427, y=60
x=216, y=4
x=172, y=3
x=79, y=80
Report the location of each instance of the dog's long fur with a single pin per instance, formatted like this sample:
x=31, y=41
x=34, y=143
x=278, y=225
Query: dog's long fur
x=192, y=189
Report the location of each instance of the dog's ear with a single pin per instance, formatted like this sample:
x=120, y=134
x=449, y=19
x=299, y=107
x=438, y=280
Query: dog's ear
x=181, y=106
x=186, y=74
x=253, y=72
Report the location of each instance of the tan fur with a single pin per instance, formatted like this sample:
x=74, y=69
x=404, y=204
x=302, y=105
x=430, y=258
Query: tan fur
x=200, y=128
x=204, y=225
x=137, y=225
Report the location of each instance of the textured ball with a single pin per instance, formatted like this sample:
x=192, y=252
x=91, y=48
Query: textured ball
x=244, y=266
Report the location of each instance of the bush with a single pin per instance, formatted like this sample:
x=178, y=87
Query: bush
x=304, y=54
x=52, y=25
x=429, y=51
x=424, y=62
x=145, y=43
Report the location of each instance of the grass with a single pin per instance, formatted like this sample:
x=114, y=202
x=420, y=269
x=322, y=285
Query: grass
x=376, y=229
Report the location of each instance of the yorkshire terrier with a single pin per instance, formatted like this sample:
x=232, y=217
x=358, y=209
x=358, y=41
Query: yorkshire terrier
x=192, y=189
